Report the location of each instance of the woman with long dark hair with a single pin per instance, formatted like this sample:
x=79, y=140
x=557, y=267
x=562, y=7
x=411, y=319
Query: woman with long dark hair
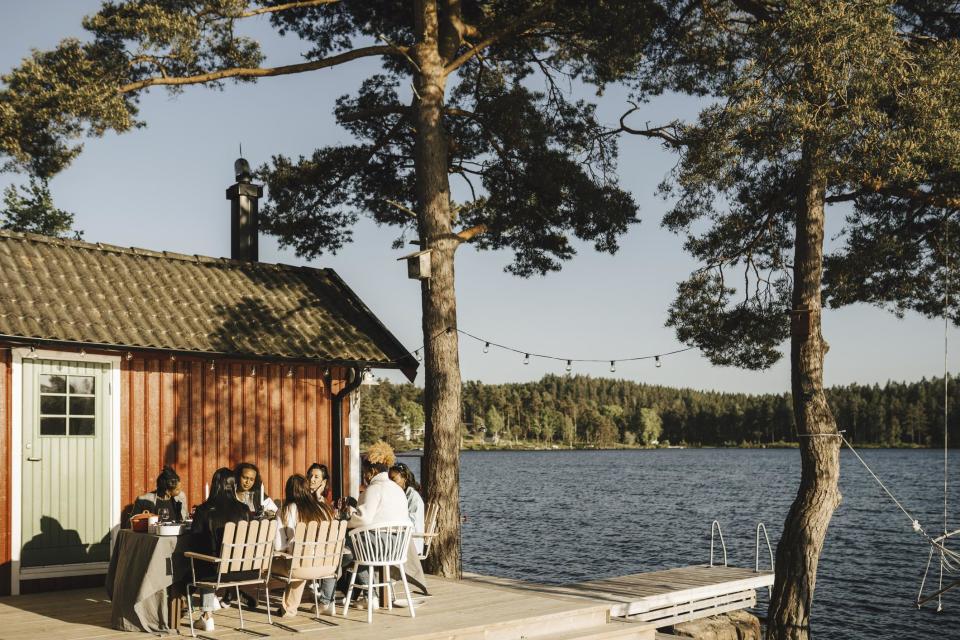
x=167, y=500
x=250, y=490
x=318, y=477
x=403, y=476
x=299, y=505
x=220, y=507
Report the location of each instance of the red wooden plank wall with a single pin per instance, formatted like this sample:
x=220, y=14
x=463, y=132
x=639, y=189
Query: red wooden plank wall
x=6, y=460
x=185, y=414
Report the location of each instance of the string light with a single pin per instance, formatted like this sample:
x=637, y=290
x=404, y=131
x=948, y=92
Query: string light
x=83, y=352
x=129, y=356
x=33, y=350
x=527, y=355
x=213, y=365
x=290, y=372
x=253, y=371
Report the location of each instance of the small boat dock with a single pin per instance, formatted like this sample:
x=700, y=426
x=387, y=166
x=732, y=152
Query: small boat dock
x=628, y=607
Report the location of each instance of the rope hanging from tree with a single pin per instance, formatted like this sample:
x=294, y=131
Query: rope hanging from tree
x=949, y=559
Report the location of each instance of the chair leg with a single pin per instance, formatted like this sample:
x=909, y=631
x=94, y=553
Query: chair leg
x=391, y=596
x=266, y=587
x=190, y=608
x=239, y=606
x=370, y=597
x=406, y=590
x=316, y=602
x=346, y=601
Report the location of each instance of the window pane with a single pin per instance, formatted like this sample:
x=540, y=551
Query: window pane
x=82, y=426
x=53, y=384
x=53, y=426
x=82, y=406
x=81, y=384
x=55, y=404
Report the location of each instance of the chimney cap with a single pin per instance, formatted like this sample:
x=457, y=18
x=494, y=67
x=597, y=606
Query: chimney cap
x=241, y=168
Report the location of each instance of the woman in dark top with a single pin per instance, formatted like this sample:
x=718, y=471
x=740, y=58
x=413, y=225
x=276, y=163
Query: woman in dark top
x=250, y=490
x=167, y=496
x=206, y=532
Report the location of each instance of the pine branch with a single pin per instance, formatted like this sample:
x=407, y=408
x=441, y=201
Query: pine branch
x=284, y=7
x=240, y=72
x=515, y=27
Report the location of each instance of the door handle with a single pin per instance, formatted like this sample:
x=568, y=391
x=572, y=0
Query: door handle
x=32, y=459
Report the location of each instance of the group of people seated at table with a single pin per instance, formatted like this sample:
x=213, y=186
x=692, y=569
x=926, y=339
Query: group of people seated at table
x=389, y=493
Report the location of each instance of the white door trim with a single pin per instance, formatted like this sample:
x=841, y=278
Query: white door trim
x=16, y=467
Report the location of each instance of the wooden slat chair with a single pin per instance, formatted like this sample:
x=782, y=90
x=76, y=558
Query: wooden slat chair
x=430, y=532
x=380, y=547
x=316, y=554
x=247, y=547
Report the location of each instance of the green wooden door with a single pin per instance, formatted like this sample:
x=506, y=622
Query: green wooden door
x=66, y=463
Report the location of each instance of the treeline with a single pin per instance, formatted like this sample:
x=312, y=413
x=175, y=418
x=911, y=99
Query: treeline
x=580, y=410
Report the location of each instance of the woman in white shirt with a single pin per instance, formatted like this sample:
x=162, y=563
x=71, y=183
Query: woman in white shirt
x=299, y=505
x=403, y=476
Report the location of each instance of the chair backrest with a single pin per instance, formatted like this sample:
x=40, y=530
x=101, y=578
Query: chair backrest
x=430, y=520
x=248, y=546
x=318, y=546
x=430, y=526
x=385, y=543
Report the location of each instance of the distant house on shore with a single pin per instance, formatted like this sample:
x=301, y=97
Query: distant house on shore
x=116, y=361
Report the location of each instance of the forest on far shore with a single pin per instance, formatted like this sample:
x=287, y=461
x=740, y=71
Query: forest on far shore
x=599, y=412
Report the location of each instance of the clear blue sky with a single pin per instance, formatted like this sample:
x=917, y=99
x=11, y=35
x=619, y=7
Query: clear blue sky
x=163, y=188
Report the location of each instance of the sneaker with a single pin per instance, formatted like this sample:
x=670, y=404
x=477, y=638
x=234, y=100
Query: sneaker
x=207, y=624
x=217, y=604
x=281, y=613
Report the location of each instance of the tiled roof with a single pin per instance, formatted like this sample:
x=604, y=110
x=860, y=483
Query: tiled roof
x=95, y=294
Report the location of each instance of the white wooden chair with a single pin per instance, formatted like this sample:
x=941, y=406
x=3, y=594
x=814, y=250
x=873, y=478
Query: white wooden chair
x=316, y=554
x=247, y=547
x=429, y=529
x=380, y=547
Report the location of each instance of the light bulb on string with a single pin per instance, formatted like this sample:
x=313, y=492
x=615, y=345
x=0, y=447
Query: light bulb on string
x=486, y=347
x=419, y=355
x=526, y=358
x=656, y=359
x=213, y=365
x=613, y=366
x=569, y=366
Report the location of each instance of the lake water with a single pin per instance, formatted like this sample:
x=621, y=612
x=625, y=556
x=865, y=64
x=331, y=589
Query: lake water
x=568, y=516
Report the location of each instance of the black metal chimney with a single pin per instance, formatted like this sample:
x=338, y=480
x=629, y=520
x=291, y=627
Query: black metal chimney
x=244, y=226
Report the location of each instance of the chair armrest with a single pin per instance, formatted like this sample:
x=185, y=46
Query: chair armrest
x=200, y=556
x=425, y=536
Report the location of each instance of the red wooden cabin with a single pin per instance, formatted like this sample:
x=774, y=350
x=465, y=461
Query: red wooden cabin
x=117, y=361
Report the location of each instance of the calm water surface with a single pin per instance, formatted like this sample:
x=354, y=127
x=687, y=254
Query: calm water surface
x=567, y=516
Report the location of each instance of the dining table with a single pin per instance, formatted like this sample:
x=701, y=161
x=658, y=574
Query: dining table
x=145, y=579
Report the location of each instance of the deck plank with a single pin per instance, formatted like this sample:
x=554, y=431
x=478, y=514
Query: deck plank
x=455, y=610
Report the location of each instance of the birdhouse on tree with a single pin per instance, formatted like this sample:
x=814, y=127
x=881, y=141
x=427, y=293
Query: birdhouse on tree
x=418, y=265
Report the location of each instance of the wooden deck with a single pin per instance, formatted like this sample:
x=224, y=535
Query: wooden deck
x=662, y=598
x=455, y=611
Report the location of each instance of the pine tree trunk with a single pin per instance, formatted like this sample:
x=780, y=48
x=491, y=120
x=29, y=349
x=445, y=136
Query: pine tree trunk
x=805, y=528
x=441, y=461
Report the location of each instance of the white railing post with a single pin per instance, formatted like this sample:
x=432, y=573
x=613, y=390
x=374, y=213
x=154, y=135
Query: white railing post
x=716, y=527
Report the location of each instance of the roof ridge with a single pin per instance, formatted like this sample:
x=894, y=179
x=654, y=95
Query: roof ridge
x=150, y=253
